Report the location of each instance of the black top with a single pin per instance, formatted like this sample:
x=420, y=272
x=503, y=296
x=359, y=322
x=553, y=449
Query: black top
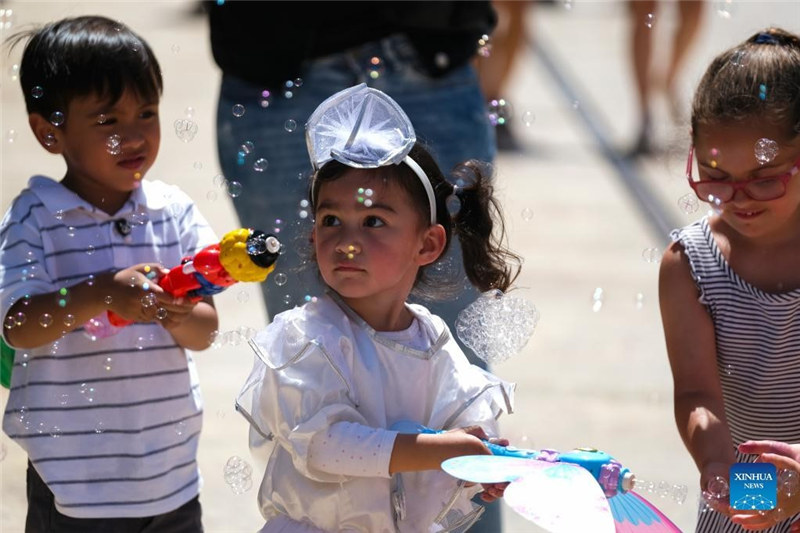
x=267, y=42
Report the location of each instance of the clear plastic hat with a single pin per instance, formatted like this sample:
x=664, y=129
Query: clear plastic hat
x=360, y=127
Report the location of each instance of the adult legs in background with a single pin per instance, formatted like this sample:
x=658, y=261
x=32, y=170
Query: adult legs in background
x=690, y=17
x=641, y=48
x=507, y=40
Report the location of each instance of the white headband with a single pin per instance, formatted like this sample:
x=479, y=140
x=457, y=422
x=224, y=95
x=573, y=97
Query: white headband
x=362, y=127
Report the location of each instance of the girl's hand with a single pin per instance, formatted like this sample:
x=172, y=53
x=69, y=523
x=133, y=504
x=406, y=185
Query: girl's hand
x=717, y=501
x=783, y=456
x=493, y=491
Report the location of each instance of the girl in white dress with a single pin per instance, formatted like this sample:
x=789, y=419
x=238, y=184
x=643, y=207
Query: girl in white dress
x=334, y=376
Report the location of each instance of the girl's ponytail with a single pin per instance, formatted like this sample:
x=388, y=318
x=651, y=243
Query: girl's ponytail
x=481, y=230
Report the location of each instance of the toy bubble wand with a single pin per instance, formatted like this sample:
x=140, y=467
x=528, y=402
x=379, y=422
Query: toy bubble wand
x=242, y=255
x=562, y=492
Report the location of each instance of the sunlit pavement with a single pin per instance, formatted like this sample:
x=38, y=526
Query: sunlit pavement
x=595, y=373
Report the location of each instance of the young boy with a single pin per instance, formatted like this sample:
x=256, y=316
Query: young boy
x=111, y=424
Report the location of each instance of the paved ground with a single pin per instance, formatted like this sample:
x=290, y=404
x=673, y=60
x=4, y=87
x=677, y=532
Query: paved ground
x=586, y=378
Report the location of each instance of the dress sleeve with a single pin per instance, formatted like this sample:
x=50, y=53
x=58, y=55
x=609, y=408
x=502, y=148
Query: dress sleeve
x=298, y=389
x=351, y=449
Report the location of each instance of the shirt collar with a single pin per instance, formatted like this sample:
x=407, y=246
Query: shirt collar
x=56, y=197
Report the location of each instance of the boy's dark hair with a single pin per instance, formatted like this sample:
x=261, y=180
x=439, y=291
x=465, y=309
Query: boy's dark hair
x=476, y=219
x=76, y=57
x=758, y=78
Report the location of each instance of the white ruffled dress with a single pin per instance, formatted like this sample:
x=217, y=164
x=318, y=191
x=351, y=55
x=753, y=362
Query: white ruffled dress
x=320, y=364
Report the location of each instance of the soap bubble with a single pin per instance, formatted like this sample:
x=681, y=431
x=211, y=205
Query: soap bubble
x=87, y=391
x=290, y=125
x=651, y=255
x=497, y=326
x=234, y=189
x=280, y=279
x=57, y=118
x=527, y=214
x=724, y=8
x=185, y=129
x=260, y=165
x=689, y=203
x=650, y=20
x=453, y=203
x=256, y=245
x=528, y=118
x=765, y=150
x=238, y=110
x=717, y=489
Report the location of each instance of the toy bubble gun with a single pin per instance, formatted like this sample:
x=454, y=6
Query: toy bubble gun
x=242, y=255
x=609, y=473
x=581, y=490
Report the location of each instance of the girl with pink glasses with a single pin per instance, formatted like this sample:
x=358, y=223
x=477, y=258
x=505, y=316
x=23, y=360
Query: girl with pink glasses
x=730, y=283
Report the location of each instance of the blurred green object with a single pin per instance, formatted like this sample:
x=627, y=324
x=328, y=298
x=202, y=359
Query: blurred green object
x=6, y=363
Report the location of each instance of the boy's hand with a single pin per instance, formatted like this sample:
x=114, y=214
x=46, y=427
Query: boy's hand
x=175, y=310
x=132, y=293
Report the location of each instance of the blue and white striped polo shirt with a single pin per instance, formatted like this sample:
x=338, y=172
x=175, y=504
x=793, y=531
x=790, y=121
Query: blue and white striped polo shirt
x=111, y=425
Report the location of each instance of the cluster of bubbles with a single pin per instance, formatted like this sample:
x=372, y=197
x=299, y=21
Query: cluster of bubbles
x=238, y=475
x=718, y=491
x=499, y=111
x=375, y=68
x=290, y=86
x=114, y=144
x=598, y=298
x=762, y=91
x=6, y=19
x=484, y=46
x=676, y=493
x=364, y=196
x=303, y=210
x=234, y=337
x=765, y=150
x=497, y=326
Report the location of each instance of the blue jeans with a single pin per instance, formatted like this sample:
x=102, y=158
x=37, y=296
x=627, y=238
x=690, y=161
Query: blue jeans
x=449, y=116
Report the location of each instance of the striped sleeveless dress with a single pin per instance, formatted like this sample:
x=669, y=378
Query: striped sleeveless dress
x=758, y=354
